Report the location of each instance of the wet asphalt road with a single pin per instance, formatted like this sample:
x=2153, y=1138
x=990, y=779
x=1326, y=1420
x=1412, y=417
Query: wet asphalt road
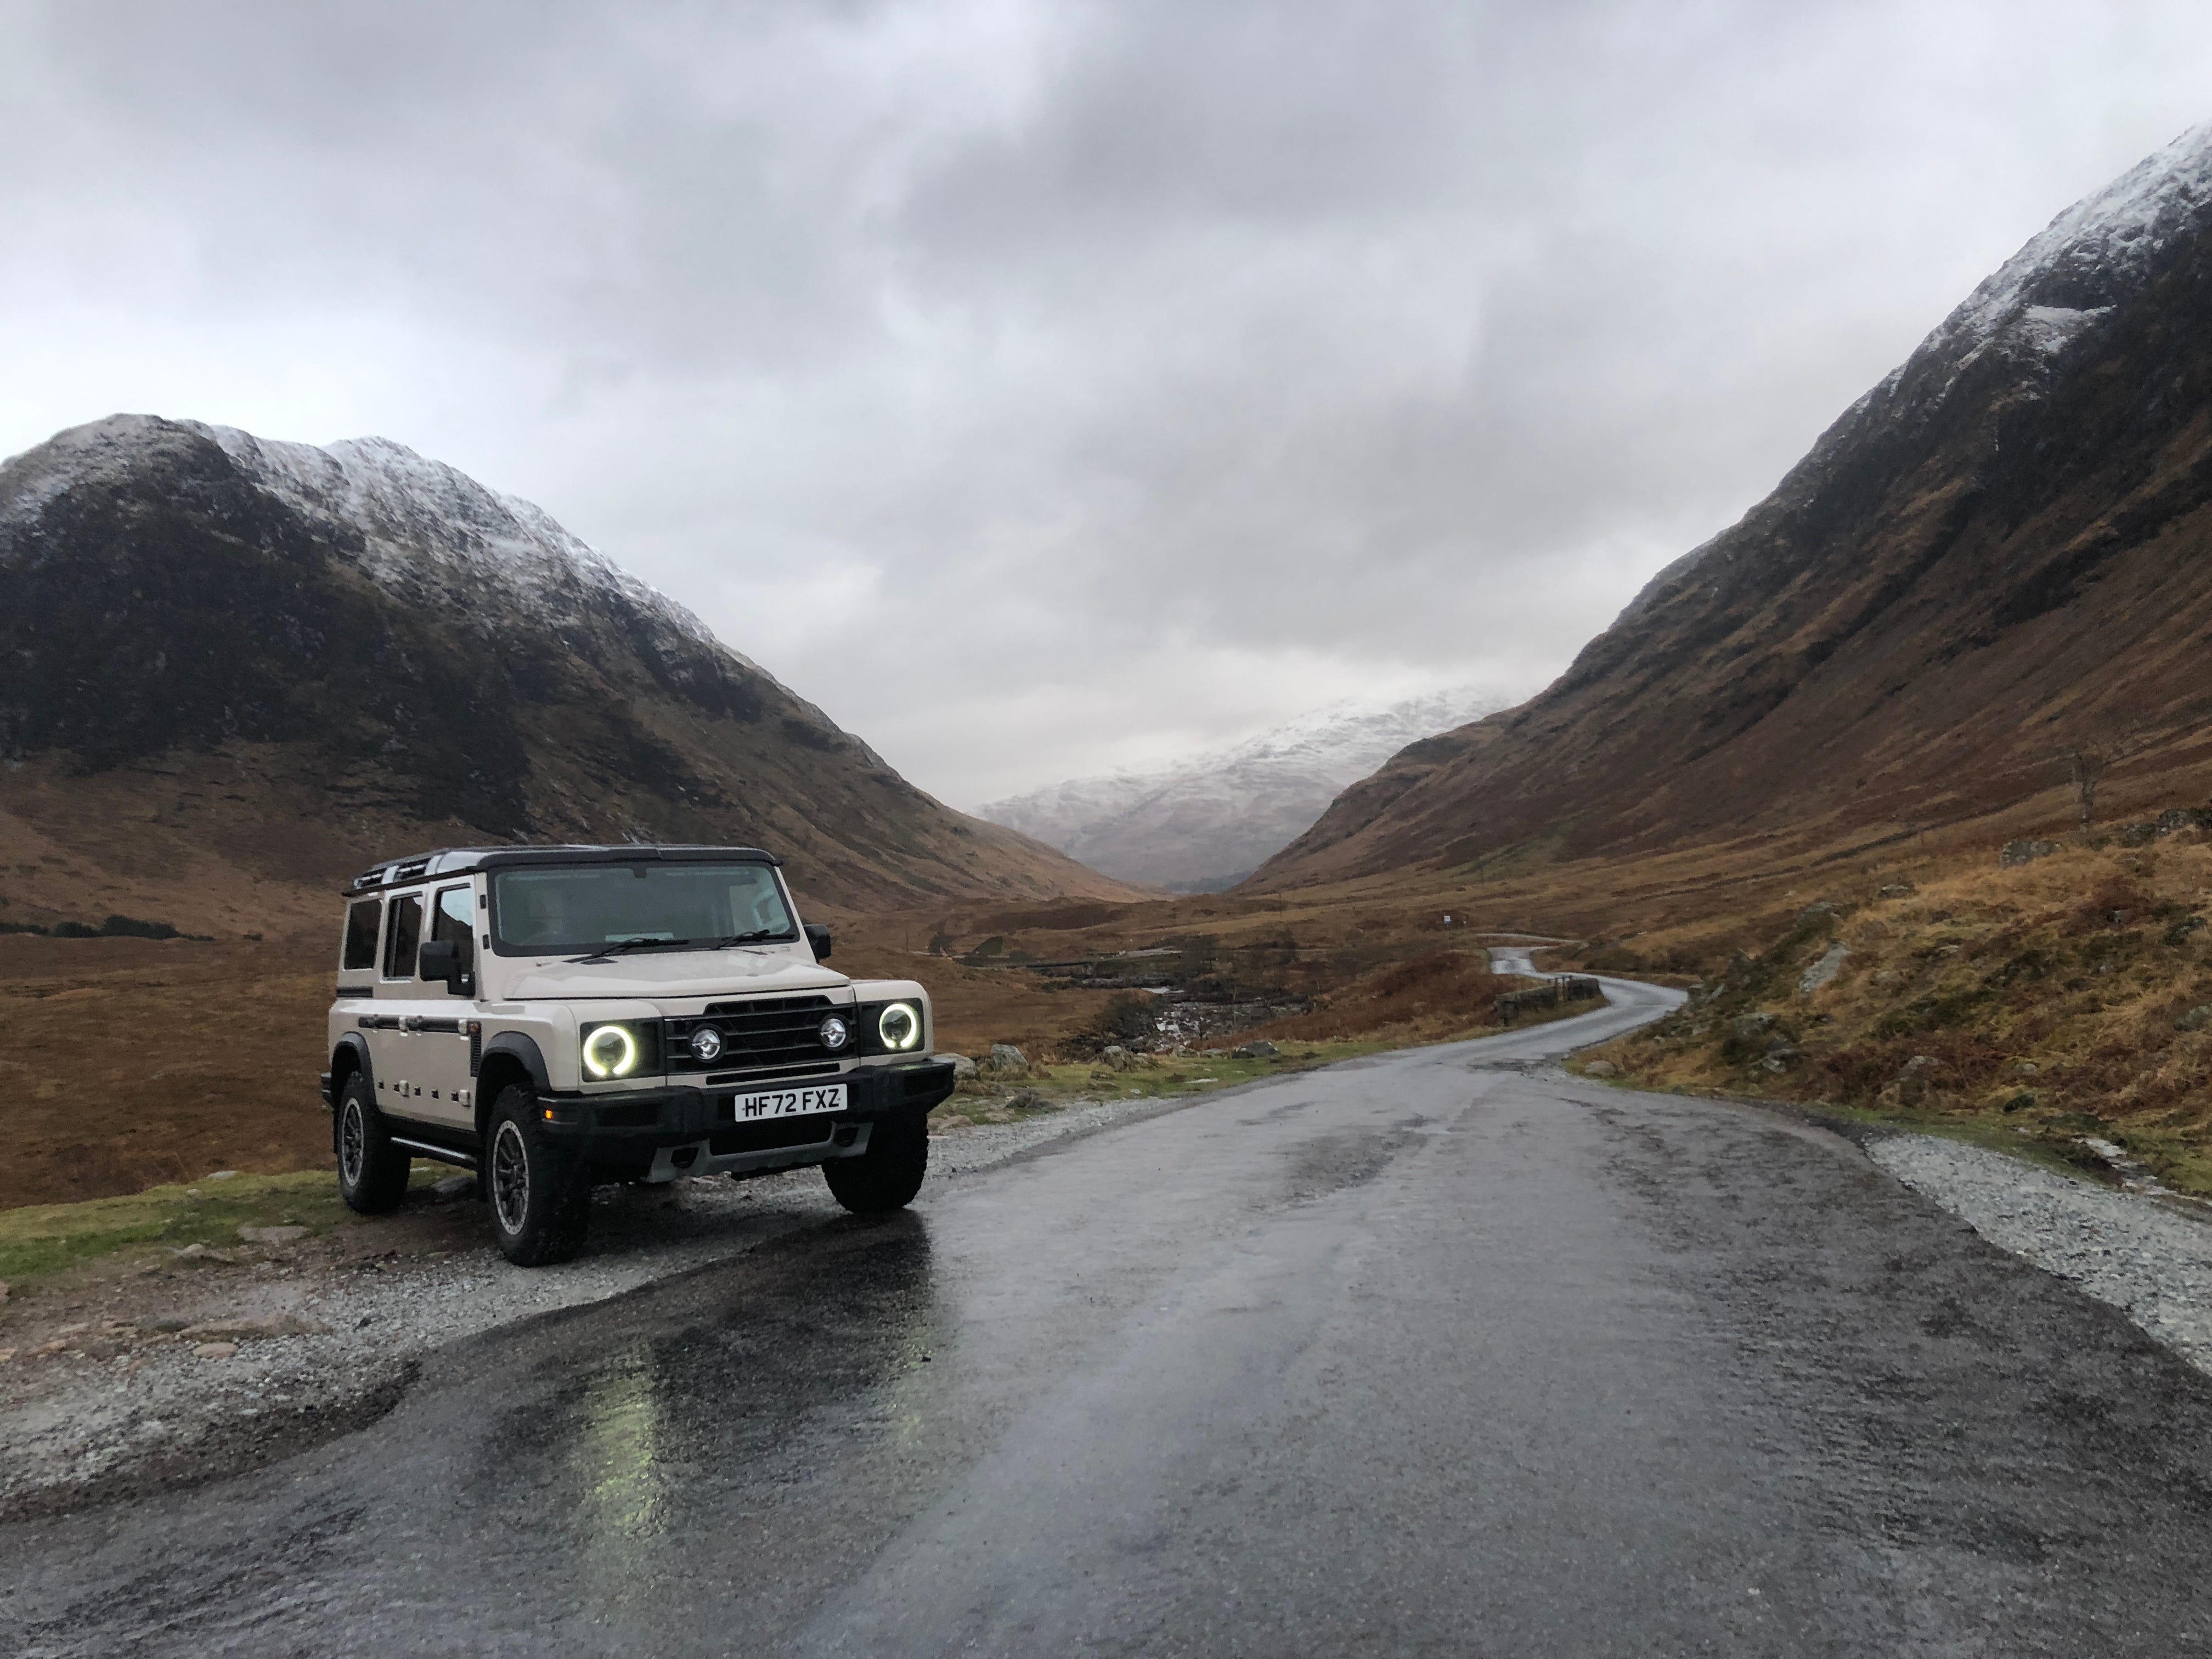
x=1425, y=1354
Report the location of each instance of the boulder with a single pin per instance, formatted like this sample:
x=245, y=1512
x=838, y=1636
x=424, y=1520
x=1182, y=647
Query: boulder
x=2025, y=852
x=1117, y=1058
x=214, y=1350
x=2195, y=1020
x=1913, y=1083
x=1600, y=1068
x=1749, y=1027
x=2176, y=818
x=1258, y=1048
x=1007, y=1061
x=1897, y=889
x=963, y=1067
x=1824, y=971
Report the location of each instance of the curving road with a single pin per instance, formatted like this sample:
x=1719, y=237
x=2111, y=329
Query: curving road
x=1437, y=1352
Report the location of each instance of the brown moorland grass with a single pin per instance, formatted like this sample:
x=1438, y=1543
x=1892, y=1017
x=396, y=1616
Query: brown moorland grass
x=2064, y=998
x=1424, y=999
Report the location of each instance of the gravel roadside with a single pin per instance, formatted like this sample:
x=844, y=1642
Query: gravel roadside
x=2132, y=1250
x=178, y=1370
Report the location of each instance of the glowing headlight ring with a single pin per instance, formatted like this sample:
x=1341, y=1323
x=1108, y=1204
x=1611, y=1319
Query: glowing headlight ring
x=899, y=1025
x=602, y=1063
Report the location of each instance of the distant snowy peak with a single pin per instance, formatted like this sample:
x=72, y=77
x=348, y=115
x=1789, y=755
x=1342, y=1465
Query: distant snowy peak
x=1348, y=740
x=1202, y=823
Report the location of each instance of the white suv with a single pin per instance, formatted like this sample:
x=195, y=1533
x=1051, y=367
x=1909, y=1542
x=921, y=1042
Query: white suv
x=555, y=1017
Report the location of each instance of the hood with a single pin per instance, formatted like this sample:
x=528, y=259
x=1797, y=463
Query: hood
x=656, y=975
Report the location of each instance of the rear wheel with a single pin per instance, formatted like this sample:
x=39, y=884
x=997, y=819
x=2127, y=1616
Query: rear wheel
x=540, y=1204
x=371, y=1171
x=889, y=1174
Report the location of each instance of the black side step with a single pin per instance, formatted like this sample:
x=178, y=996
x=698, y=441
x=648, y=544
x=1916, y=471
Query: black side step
x=443, y=1154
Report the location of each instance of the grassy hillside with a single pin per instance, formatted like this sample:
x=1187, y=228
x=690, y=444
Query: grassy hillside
x=2068, y=998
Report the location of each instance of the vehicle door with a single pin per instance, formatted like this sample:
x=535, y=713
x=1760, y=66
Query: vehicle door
x=441, y=1029
x=420, y=1045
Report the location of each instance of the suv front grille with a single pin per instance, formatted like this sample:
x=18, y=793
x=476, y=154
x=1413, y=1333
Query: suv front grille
x=773, y=1031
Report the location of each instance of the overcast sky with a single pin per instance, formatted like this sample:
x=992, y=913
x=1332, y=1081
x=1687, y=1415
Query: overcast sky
x=1042, y=387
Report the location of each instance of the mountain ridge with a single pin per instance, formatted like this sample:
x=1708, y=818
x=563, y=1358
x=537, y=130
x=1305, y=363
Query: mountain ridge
x=376, y=650
x=1990, y=552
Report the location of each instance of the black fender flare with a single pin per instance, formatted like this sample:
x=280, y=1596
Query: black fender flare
x=349, y=1054
x=525, y=1053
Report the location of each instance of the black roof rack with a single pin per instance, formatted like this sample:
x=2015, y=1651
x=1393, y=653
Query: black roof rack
x=461, y=861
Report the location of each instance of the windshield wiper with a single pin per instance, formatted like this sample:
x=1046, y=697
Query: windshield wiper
x=605, y=951
x=758, y=936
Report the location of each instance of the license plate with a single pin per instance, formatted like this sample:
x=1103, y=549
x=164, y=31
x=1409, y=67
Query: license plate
x=787, y=1103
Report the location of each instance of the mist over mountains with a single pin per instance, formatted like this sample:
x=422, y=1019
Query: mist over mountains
x=1996, y=553
x=1205, y=824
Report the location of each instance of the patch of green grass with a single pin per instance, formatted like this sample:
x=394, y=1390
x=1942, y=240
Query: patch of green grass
x=40, y=1240
x=1182, y=1074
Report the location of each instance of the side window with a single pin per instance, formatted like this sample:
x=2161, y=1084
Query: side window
x=453, y=919
x=363, y=917
x=403, y=937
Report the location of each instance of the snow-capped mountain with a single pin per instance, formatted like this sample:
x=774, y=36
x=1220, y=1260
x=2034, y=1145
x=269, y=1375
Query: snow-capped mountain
x=371, y=651
x=1201, y=825
x=1996, y=548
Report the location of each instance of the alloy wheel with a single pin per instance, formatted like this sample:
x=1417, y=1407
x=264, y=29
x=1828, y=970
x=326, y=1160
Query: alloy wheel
x=510, y=1177
x=353, y=1144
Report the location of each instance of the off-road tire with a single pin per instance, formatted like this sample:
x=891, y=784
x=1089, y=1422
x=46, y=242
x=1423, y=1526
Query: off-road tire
x=889, y=1174
x=371, y=1171
x=539, y=1202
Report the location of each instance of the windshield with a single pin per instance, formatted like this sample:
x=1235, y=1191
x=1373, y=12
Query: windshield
x=591, y=908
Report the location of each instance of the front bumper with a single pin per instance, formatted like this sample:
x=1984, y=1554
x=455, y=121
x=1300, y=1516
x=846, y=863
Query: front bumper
x=635, y=1126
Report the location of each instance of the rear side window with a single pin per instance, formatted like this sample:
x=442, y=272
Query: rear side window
x=453, y=919
x=363, y=916
x=403, y=937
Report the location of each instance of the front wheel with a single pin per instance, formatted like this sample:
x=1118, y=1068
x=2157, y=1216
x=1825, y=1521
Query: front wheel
x=539, y=1202
x=889, y=1174
x=371, y=1171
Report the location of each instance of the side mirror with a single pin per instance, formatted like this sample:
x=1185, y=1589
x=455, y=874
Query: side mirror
x=441, y=959
x=818, y=937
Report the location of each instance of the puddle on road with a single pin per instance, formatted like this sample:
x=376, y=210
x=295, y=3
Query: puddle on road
x=766, y=1374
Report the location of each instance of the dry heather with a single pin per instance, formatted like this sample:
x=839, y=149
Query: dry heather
x=1425, y=999
x=2064, y=998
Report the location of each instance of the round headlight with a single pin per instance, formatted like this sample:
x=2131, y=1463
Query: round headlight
x=835, y=1032
x=899, y=1026
x=706, y=1045
x=610, y=1051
